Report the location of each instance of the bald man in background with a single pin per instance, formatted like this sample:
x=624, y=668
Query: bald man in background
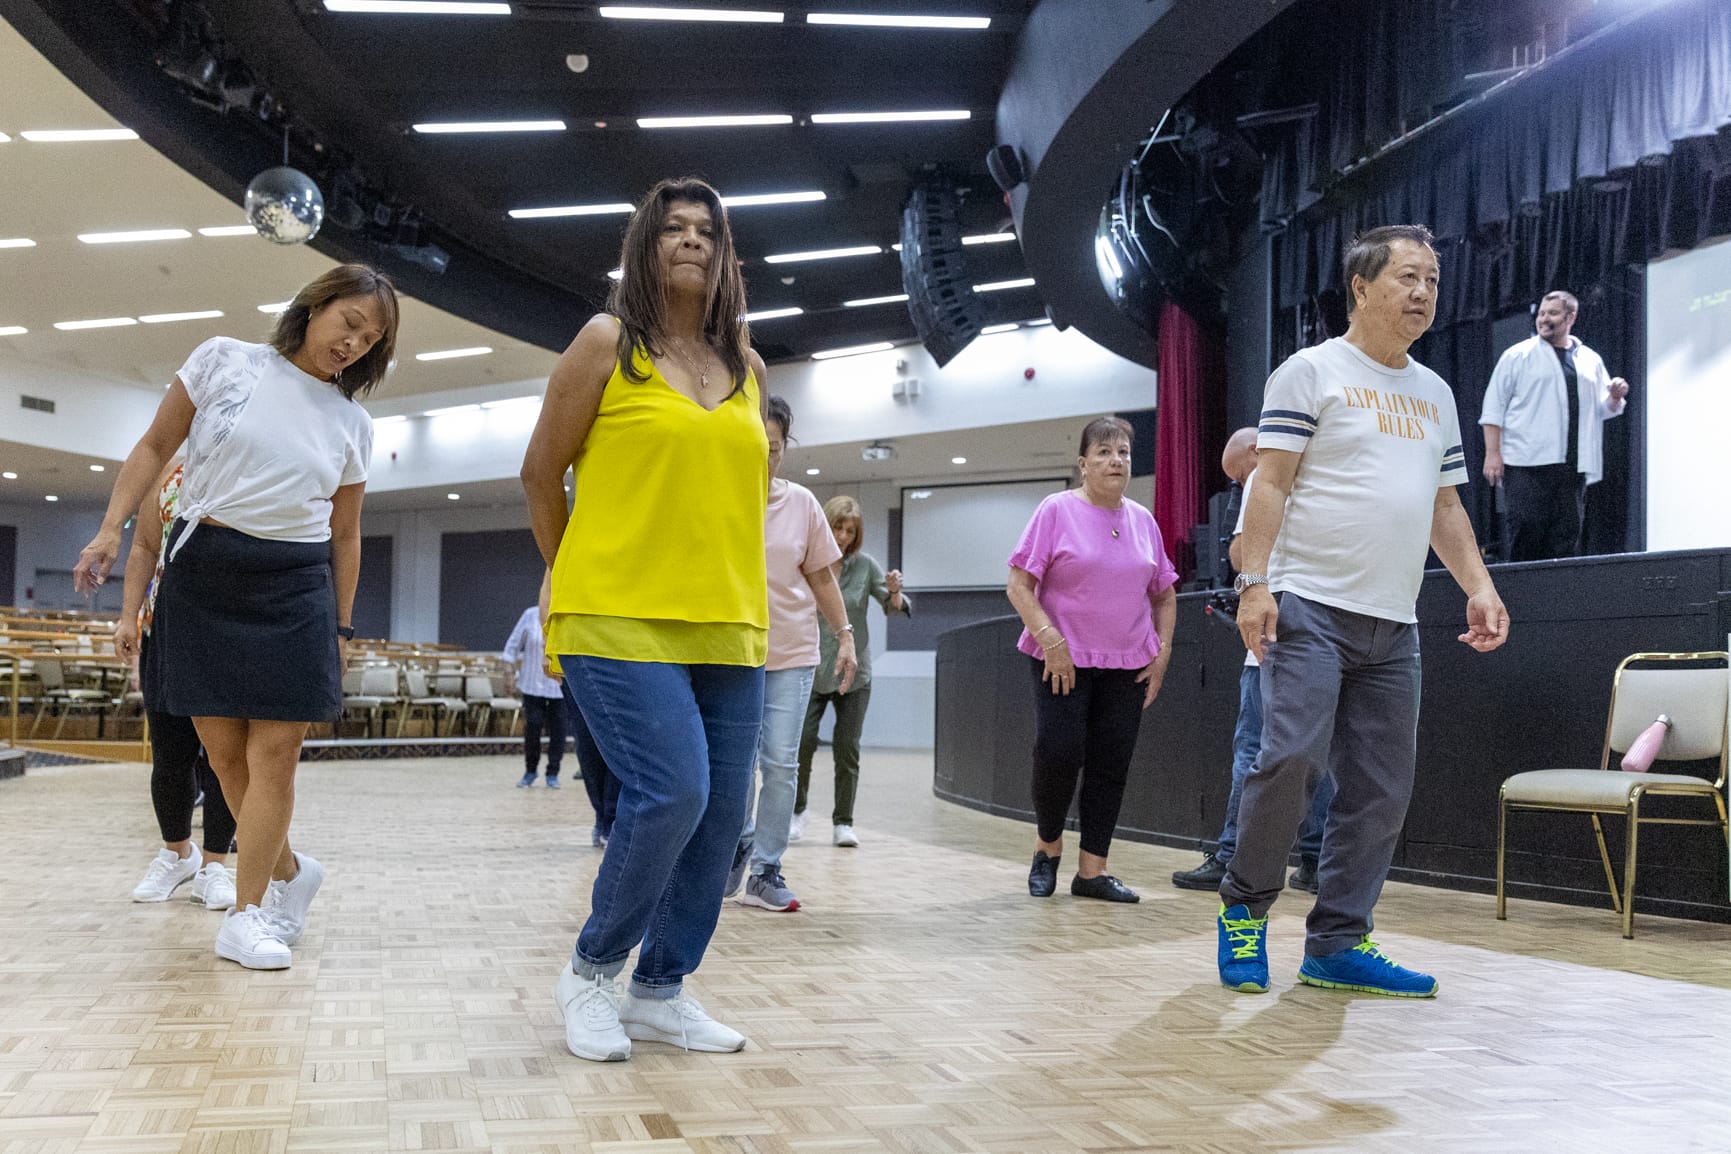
x=1238, y=461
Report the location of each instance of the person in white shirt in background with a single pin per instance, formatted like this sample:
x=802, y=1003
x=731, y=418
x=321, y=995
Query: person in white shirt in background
x=1544, y=418
x=544, y=704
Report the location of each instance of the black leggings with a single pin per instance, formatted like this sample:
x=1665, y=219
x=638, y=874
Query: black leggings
x=1094, y=726
x=178, y=771
x=539, y=712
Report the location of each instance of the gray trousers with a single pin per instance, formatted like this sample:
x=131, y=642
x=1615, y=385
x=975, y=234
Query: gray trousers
x=1342, y=685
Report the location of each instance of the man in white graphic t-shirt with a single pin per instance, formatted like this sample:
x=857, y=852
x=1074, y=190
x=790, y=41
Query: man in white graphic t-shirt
x=1359, y=453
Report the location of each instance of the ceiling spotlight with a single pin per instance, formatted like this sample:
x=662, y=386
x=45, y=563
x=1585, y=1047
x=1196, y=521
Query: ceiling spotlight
x=577, y=62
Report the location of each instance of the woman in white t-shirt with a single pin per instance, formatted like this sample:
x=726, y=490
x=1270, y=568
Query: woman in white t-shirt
x=253, y=606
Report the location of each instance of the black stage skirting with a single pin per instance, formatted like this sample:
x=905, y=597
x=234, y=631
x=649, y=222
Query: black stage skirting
x=1538, y=703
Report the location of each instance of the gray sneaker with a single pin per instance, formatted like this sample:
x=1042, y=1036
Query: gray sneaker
x=736, y=872
x=767, y=891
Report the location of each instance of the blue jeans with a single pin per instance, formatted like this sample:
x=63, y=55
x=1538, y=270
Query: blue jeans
x=785, y=693
x=1246, y=744
x=680, y=739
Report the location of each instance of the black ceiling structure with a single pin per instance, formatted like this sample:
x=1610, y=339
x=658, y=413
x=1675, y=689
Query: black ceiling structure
x=218, y=85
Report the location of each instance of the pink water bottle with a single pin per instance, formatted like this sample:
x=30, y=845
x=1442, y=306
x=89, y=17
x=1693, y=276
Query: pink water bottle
x=1645, y=747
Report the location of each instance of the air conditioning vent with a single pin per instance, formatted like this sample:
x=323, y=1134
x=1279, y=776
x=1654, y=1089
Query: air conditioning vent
x=40, y=404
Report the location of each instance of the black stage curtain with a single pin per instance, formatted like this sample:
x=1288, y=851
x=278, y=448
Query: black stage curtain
x=1574, y=178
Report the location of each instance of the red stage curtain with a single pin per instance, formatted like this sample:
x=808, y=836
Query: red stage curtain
x=1189, y=429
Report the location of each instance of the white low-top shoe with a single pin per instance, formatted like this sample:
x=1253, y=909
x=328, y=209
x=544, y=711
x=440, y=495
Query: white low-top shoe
x=678, y=1021
x=590, y=1007
x=286, y=903
x=168, y=872
x=249, y=938
x=796, y=827
x=213, y=887
x=845, y=836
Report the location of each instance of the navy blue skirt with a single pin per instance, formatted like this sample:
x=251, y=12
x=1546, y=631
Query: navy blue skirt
x=246, y=627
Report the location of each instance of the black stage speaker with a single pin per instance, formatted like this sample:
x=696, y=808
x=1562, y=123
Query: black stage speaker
x=946, y=312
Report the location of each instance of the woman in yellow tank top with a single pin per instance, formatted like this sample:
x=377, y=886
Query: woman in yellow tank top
x=659, y=609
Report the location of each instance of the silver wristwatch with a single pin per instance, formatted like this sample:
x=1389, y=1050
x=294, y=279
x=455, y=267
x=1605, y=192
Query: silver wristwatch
x=1246, y=580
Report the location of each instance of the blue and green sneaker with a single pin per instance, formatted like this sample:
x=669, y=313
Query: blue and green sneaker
x=1368, y=970
x=1243, y=950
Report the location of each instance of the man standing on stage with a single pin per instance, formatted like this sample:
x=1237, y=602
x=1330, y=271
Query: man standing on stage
x=1359, y=456
x=1544, y=418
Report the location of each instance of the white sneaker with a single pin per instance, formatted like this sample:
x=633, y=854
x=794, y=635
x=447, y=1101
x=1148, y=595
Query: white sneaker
x=286, y=903
x=590, y=1008
x=844, y=835
x=796, y=828
x=168, y=872
x=678, y=1021
x=213, y=887
x=249, y=938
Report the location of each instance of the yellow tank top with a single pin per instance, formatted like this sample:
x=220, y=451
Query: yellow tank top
x=663, y=557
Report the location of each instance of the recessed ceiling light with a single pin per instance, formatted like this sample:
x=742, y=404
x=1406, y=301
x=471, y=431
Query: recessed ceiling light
x=99, y=468
x=394, y=419
x=229, y=230
x=989, y=238
x=771, y=198
x=277, y=307
x=864, y=302
x=888, y=117
x=998, y=286
x=452, y=354
x=772, y=314
x=51, y=497
x=141, y=234
x=77, y=135
x=616, y=274
x=461, y=126
x=451, y=409
x=958, y=460
x=12, y=330
x=853, y=351
x=722, y=15
x=1010, y=327
x=808, y=472
x=17, y=242
x=9, y=476
x=823, y=254
x=873, y=20
x=420, y=7
x=712, y=121
x=453, y=496
x=570, y=210
x=169, y=318
x=104, y=323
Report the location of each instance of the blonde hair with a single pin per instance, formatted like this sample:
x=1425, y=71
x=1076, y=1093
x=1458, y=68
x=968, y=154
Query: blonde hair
x=845, y=508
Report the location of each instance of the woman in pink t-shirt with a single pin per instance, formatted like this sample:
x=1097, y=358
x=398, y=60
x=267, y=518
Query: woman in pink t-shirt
x=1094, y=588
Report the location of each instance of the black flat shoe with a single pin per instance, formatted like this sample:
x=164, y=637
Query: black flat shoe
x=1042, y=875
x=1206, y=876
x=1303, y=878
x=1105, y=887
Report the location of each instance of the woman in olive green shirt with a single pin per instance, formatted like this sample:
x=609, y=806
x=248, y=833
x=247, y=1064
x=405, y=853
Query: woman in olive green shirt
x=861, y=579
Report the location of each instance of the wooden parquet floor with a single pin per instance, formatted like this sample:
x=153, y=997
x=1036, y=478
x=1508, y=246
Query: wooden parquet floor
x=920, y=1003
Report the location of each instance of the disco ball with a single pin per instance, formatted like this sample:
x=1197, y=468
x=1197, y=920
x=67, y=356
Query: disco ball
x=285, y=206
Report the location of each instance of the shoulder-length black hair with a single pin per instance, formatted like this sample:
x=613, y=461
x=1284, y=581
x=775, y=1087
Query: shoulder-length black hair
x=346, y=280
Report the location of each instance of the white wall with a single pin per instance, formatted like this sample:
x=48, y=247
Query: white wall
x=92, y=417
x=50, y=537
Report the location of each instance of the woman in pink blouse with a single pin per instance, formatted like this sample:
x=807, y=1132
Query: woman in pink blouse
x=1094, y=588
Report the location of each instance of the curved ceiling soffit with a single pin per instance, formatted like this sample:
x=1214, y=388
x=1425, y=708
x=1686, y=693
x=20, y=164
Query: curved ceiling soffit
x=1089, y=80
x=119, y=74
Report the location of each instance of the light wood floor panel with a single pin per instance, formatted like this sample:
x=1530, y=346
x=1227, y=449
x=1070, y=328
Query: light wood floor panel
x=920, y=1003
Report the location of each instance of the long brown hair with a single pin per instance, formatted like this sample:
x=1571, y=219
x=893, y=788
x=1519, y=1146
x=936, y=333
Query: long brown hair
x=639, y=297
x=346, y=280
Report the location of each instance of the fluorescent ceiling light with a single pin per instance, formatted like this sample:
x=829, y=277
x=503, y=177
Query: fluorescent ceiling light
x=808, y=472
x=989, y=238
x=616, y=274
x=771, y=198
x=958, y=460
x=998, y=286
x=4, y=139
x=453, y=496
x=1037, y=322
x=17, y=242
x=77, y=135
x=51, y=497
x=865, y=302
x=874, y=20
x=12, y=330
x=823, y=254
x=229, y=230
x=452, y=354
x=274, y=309
x=169, y=318
x=853, y=351
x=420, y=7
x=570, y=210
x=510, y=401
x=394, y=419
x=140, y=234
x=772, y=314
x=460, y=126
x=99, y=468
x=990, y=330
x=9, y=476
x=450, y=409
x=887, y=117
x=722, y=15
x=712, y=121
x=104, y=323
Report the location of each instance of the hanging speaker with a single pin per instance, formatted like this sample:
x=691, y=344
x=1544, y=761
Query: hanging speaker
x=946, y=312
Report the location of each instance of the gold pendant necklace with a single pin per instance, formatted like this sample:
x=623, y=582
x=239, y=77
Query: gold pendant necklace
x=702, y=376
